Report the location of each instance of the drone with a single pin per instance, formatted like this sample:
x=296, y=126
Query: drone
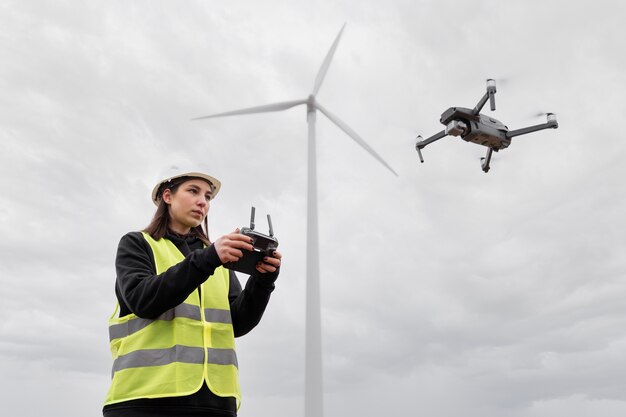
x=474, y=127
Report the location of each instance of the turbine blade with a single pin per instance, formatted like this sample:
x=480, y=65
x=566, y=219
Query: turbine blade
x=324, y=68
x=354, y=136
x=258, y=109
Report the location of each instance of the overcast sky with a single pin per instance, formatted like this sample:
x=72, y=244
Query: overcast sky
x=446, y=291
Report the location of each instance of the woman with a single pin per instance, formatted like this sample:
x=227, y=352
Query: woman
x=180, y=309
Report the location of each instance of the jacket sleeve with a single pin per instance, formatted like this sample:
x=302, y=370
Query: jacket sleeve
x=248, y=305
x=148, y=295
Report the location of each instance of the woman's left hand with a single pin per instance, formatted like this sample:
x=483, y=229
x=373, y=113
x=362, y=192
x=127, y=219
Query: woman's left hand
x=269, y=263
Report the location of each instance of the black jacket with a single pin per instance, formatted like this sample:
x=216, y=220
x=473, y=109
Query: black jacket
x=140, y=291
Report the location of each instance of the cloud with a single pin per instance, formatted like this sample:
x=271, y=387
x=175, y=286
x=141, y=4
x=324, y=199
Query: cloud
x=445, y=291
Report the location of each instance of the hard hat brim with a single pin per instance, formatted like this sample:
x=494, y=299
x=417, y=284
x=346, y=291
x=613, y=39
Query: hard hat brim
x=216, y=184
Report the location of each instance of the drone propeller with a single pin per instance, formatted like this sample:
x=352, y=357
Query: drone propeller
x=545, y=114
x=550, y=116
x=502, y=80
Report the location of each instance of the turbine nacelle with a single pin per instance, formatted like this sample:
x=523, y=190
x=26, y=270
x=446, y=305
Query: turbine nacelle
x=310, y=103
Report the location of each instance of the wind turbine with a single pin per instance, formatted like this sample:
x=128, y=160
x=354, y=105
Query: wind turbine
x=313, y=399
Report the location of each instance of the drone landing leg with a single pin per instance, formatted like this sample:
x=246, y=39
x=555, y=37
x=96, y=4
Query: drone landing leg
x=420, y=145
x=487, y=160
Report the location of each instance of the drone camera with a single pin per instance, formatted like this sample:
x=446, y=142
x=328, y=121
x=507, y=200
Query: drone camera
x=456, y=128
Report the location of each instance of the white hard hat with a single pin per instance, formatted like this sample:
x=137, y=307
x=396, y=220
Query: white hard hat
x=174, y=172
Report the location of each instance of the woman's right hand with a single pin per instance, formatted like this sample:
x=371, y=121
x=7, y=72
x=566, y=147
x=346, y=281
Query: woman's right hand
x=229, y=247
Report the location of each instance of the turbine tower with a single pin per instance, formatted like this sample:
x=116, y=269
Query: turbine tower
x=313, y=398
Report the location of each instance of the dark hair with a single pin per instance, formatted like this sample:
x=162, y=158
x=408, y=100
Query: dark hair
x=160, y=223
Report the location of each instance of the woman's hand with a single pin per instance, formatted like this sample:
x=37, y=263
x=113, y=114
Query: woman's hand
x=269, y=263
x=229, y=247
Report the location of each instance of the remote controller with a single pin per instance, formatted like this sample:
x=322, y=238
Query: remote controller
x=263, y=245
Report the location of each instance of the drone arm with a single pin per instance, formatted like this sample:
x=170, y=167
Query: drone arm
x=552, y=124
x=421, y=144
x=489, y=95
x=431, y=139
x=481, y=104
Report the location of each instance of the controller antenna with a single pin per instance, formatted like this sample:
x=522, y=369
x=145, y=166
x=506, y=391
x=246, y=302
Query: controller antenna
x=269, y=221
x=252, y=218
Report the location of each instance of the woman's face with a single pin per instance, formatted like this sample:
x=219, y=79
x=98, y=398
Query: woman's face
x=188, y=205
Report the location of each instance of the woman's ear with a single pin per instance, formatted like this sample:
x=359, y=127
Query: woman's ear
x=167, y=196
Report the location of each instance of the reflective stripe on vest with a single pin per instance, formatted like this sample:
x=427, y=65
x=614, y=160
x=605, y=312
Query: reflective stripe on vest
x=178, y=351
x=117, y=331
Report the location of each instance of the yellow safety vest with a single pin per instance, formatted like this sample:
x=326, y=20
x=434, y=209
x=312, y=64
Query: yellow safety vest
x=174, y=354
